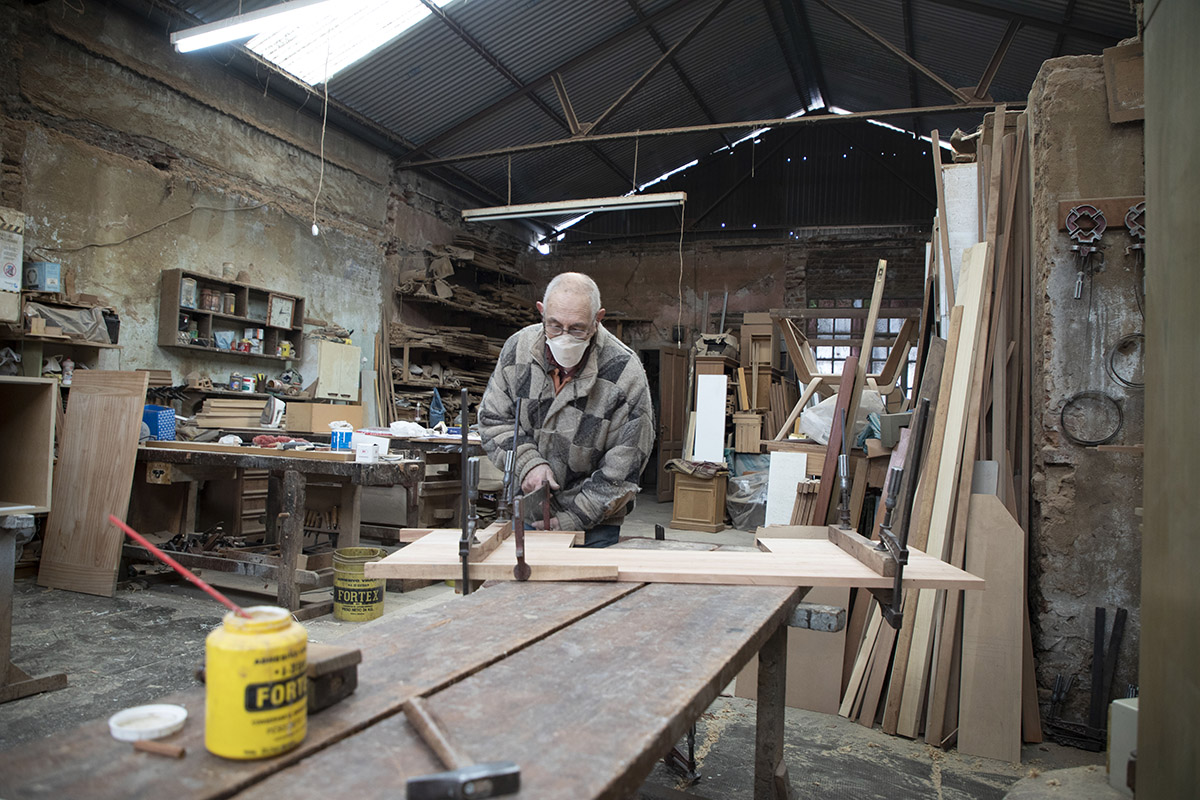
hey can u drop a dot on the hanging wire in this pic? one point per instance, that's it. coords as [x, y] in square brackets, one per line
[324, 121]
[679, 316]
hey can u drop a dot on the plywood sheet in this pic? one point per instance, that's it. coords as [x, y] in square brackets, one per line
[993, 625]
[94, 475]
[789, 562]
[251, 450]
[710, 418]
[787, 469]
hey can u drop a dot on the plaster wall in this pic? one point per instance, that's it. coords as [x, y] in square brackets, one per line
[1086, 542]
[129, 159]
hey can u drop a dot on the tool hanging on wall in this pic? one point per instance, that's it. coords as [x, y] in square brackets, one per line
[1085, 225]
[1135, 223]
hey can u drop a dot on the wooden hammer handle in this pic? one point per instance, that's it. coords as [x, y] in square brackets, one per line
[420, 718]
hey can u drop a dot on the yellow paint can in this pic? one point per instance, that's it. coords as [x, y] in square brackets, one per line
[356, 598]
[256, 700]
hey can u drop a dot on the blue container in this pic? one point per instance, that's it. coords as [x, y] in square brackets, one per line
[340, 440]
[161, 421]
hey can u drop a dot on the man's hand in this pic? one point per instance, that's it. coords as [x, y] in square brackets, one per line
[535, 477]
[540, 525]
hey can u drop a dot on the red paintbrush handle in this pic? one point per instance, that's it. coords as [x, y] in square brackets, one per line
[175, 565]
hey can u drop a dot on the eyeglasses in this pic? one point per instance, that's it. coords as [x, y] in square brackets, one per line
[575, 331]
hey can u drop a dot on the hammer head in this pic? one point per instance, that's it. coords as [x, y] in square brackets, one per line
[493, 779]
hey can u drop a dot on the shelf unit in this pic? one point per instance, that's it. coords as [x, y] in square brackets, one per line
[457, 312]
[34, 348]
[254, 307]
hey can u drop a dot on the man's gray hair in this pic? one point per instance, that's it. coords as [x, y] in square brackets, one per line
[574, 283]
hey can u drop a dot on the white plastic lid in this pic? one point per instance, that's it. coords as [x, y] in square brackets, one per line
[146, 722]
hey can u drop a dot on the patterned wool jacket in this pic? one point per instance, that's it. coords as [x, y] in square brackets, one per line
[596, 433]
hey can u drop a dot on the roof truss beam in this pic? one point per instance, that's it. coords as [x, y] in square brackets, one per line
[796, 17]
[989, 72]
[565, 102]
[678, 68]
[962, 97]
[803, 92]
[495, 63]
[663, 60]
[808, 119]
[527, 88]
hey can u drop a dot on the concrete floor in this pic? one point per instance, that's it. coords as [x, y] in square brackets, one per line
[147, 641]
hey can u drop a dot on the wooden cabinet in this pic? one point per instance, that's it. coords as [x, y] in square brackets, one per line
[337, 371]
[699, 503]
[27, 413]
[201, 312]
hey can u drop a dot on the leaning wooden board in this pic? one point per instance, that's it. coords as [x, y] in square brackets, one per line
[94, 475]
[790, 562]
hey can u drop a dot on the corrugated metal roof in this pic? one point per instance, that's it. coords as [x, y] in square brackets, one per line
[428, 85]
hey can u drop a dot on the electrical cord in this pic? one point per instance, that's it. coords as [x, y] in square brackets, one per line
[133, 236]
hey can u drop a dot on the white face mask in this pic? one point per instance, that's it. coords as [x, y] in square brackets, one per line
[567, 350]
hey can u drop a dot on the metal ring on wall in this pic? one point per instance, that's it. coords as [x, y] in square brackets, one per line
[1077, 399]
[1112, 354]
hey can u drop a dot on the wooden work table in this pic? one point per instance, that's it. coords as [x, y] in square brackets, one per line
[584, 685]
[169, 462]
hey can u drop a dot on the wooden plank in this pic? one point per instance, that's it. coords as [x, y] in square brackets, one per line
[854, 686]
[937, 723]
[575, 738]
[1113, 208]
[829, 471]
[403, 657]
[789, 562]
[251, 450]
[975, 274]
[864, 550]
[811, 389]
[990, 694]
[860, 371]
[95, 471]
[922, 510]
[942, 220]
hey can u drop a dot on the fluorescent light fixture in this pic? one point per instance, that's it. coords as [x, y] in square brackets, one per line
[245, 25]
[587, 206]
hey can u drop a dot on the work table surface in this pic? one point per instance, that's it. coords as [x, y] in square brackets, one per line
[584, 685]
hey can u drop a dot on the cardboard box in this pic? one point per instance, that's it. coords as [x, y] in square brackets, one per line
[12, 248]
[43, 276]
[315, 417]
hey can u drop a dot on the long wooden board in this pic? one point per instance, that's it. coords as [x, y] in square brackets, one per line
[993, 626]
[94, 475]
[251, 450]
[790, 562]
[974, 283]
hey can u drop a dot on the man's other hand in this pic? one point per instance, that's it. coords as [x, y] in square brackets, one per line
[535, 477]
[540, 525]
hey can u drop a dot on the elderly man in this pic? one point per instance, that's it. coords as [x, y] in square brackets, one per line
[587, 424]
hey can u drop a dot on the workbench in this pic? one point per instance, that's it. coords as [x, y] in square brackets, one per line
[584, 685]
[286, 492]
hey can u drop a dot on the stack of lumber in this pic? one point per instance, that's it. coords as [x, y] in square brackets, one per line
[230, 413]
[961, 670]
[484, 255]
[159, 377]
[458, 340]
[490, 301]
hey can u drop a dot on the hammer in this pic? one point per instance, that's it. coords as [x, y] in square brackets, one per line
[464, 780]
